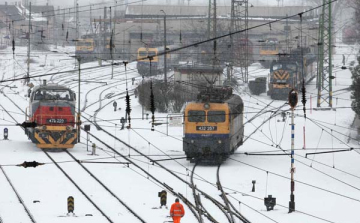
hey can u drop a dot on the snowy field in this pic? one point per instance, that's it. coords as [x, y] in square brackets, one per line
[326, 188]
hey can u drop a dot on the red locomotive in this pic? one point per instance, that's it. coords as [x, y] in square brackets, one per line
[52, 108]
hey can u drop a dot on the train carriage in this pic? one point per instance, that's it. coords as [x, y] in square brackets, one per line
[52, 108]
[213, 129]
[157, 62]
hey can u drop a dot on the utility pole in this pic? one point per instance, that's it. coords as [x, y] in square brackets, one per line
[287, 34]
[324, 76]
[165, 55]
[77, 20]
[78, 98]
[28, 50]
[92, 29]
[111, 47]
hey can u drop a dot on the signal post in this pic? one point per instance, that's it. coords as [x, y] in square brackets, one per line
[293, 100]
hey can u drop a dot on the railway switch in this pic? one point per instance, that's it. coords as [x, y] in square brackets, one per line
[163, 197]
[70, 205]
[253, 187]
[6, 133]
[270, 202]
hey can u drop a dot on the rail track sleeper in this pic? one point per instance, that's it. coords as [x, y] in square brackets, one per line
[190, 205]
[77, 186]
[106, 188]
[18, 196]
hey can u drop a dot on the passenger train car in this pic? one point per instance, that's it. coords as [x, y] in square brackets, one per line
[52, 108]
[157, 63]
[213, 126]
[286, 73]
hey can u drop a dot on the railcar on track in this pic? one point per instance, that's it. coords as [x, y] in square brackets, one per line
[213, 126]
[52, 108]
[157, 62]
[286, 73]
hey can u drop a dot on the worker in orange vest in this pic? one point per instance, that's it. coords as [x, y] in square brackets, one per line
[177, 211]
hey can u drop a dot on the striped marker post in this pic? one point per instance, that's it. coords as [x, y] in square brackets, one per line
[70, 205]
[293, 100]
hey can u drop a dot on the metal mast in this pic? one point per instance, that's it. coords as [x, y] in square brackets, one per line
[240, 42]
[212, 30]
[324, 75]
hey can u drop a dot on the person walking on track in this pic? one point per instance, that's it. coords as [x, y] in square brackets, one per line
[177, 211]
[115, 105]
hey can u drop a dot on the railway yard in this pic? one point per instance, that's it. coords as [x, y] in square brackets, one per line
[121, 182]
[120, 156]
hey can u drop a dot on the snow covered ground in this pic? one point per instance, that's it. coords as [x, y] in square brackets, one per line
[326, 189]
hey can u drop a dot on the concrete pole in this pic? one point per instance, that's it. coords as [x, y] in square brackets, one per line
[79, 112]
[165, 55]
[28, 50]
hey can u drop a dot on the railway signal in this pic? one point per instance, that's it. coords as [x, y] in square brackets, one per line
[293, 100]
[6, 133]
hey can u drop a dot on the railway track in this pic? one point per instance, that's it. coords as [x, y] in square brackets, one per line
[113, 195]
[228, 204]
[21, 201]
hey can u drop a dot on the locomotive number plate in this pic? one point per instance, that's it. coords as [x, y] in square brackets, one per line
[56, 120]
[206, 128]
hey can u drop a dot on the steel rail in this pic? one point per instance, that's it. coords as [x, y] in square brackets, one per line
[18, 195]
[191, 206]
[77, 186]
[227, 202]
[105, 187]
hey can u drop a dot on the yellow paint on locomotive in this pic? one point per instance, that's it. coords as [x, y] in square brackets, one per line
[55, 144]
[222, 127]
[86, 45]
[144, 52]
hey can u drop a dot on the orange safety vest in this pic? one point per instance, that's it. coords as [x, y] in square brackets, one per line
[177, 210]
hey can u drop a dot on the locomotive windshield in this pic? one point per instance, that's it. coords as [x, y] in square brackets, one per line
[196, 116]
[284, 66]
[216, 116]
[53, 94]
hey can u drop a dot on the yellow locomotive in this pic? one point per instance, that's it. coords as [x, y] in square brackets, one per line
[213, 126]
[157, 62]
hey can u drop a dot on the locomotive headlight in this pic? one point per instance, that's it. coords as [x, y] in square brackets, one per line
[69, 128]
[219, 141]
[43, 127]
[206, 106]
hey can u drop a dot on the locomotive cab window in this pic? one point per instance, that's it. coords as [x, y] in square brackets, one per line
[143, 53]
[216, 116]
[54, 94]
[196, 116]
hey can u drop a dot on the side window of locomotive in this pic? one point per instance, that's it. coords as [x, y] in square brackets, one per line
[216, 116]
[196, 116]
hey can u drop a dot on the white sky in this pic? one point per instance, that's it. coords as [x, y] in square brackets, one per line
[192, 2]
